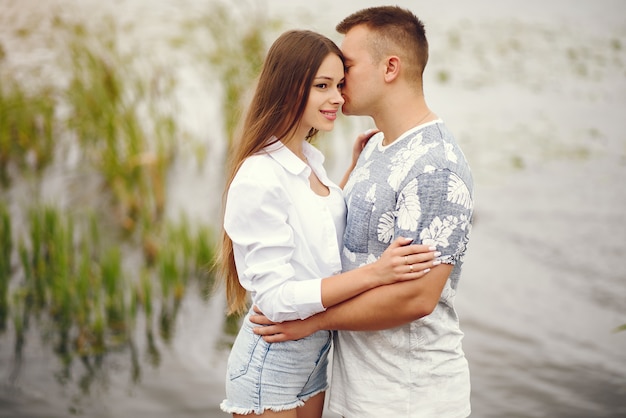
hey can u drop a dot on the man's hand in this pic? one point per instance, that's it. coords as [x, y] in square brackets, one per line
[285, 331]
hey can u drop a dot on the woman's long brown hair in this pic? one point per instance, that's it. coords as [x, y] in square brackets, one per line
[275, 111]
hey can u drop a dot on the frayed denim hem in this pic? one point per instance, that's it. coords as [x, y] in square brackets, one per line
[245, 411]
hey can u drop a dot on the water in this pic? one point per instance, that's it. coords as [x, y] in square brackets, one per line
[544, 288]
[536, 95]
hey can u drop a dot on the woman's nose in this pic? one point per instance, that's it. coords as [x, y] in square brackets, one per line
[338, 97]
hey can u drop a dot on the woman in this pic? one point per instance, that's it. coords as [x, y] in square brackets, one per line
[283, 227]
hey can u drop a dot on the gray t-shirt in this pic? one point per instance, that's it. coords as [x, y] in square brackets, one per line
[419, 186]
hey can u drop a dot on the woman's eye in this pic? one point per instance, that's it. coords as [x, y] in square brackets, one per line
[321, 86]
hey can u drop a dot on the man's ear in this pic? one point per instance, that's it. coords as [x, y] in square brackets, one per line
[392, 68]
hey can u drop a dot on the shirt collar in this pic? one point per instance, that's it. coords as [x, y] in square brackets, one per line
[406, 134]
[283, 155]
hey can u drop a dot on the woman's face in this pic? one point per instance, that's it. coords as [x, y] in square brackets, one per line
[325, 97]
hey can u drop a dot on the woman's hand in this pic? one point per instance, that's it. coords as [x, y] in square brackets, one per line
[357, 147]
[360, 143]
[403, 261]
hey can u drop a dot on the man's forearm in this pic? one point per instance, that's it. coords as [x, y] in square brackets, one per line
[387, 306]
[381, 308]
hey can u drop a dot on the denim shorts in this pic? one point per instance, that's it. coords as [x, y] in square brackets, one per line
[274, 376]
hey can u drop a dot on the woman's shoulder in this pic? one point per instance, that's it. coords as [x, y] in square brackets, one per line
[258, 168]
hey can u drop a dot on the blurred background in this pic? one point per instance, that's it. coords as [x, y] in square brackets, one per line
[115, 119]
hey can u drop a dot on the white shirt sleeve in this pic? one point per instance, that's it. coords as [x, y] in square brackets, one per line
[256, 220]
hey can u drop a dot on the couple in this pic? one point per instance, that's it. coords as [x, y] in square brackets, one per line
[379, 287]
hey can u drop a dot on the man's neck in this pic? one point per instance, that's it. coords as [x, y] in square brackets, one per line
[395, 123]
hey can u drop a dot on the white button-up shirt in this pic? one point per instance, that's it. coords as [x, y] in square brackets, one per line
[286, 238]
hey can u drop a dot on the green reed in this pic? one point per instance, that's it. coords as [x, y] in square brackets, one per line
[26, 129]
[6, 249]
[82, 277]
[121, 123]
[186, 255]
[77, 287]
[60, 284]
[235, 51]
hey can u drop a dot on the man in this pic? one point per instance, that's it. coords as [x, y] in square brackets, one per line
[398, 348]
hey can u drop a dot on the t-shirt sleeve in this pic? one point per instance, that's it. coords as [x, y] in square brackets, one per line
[435, 208]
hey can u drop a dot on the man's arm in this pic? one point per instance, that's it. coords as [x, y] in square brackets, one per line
[380, 308]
